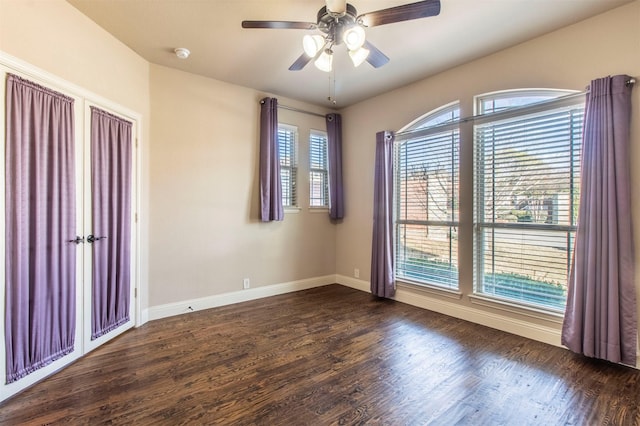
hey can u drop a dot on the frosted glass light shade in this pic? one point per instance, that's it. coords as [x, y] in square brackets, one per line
[312, 44]
[358, 56]
[337, 6]
[354, 37]
[324, 61]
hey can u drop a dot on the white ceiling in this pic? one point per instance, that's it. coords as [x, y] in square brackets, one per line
[260, 58]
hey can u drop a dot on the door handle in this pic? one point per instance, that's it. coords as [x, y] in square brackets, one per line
[91, 238]
[78, 240]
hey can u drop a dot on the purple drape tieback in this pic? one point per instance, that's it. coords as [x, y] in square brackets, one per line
[12, 377]
[105, 329]
[600, 319]
[382, 262]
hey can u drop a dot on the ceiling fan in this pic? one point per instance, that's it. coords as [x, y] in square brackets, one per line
[339, 22]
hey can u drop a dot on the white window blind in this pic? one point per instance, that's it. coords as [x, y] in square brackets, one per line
[426, 198]
[527, 173]
[318, 170]
[287, 145]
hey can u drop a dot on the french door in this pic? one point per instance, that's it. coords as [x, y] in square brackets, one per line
[109, 217]
[105, 233]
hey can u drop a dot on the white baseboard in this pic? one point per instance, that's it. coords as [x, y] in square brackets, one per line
[144, 317]
[526, 329]
[356, 283]
[187, 306]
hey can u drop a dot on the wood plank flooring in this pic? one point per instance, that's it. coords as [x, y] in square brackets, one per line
[325, 356]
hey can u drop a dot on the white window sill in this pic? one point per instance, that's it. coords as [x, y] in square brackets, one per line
[318, 209]
[516, 308]
[429, 289]
[293, 210]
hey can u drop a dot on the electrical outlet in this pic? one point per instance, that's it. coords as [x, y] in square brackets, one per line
[246, 283]
[356, 273]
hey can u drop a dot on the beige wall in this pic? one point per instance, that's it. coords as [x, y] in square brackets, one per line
[565, 59]
[205, 233]
[55, 37]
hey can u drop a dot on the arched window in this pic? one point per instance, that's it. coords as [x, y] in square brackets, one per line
[426, 199]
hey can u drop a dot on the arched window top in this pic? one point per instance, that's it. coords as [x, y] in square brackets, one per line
[505, 99]
[441, 115]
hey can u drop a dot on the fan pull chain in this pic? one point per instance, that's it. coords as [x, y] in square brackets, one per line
[331, 98]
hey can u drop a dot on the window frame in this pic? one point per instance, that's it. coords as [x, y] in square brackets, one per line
[290, 192]
[430, 125]
[557, 99]
[323, 171]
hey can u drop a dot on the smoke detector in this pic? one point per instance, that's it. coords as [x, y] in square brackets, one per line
[181, 52]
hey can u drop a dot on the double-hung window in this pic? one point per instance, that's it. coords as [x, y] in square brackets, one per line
[287, 146]
[318, 170]
[527, 173]
[426, 200]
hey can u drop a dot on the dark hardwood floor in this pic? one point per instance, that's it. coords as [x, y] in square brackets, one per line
[330, 355]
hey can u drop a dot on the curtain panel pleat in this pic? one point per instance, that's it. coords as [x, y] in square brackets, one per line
[111, 156]
[334, 142]
[382, 260]
[600, 319]
[270, 182]
[40, 221]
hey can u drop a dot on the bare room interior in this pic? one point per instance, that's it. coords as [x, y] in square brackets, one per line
[318, 212]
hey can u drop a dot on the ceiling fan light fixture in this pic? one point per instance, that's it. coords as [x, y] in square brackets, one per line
[358, 56]
[339, 21]
[354, 37]
[312, 44]
[325, 61]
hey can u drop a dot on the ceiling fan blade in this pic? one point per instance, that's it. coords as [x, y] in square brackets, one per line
[280, 25]
[376, 58]
[406, 12]
[300, 63]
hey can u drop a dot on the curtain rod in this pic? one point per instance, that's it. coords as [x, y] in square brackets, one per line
[561, 101]
[300, 110]
[629, 82]
[297, 110]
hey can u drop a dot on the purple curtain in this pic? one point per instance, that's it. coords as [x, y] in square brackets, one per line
[40, 221]
[111, 219]
[270, 186]
[334, 139]
[382, 279]
[600, 318]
